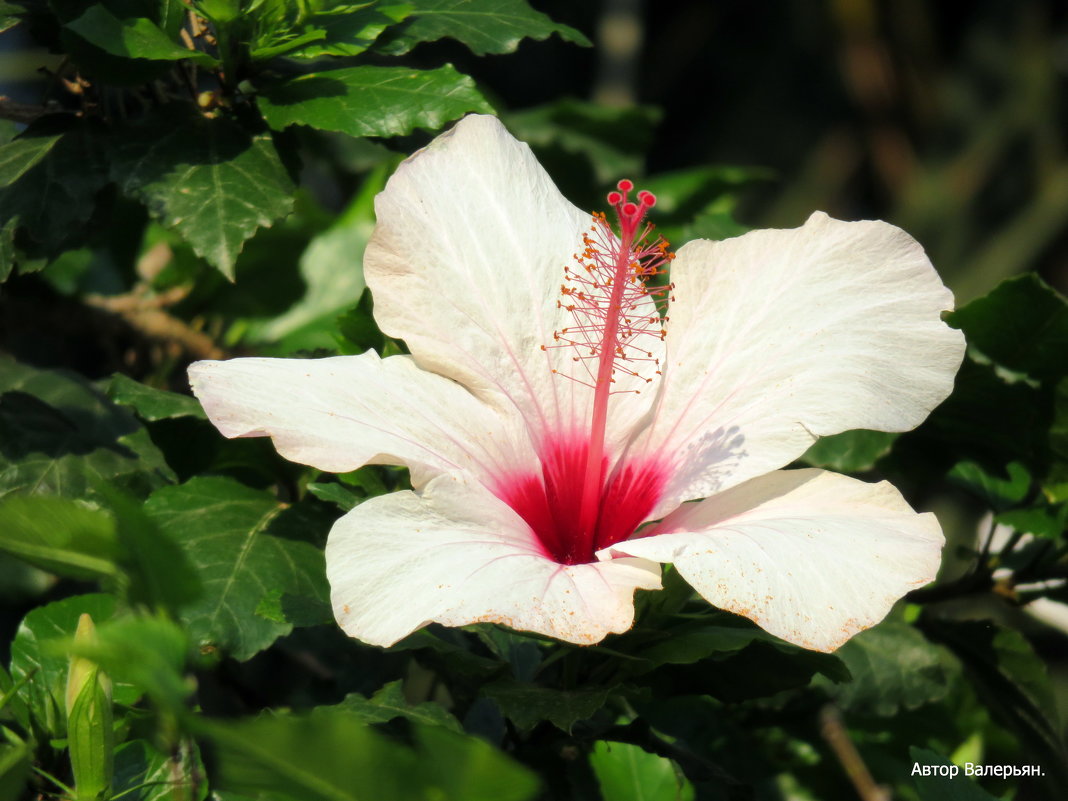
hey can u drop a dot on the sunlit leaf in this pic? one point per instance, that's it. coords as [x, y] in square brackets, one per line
[333, 492]
[850, 451]
[1000, 491]
[370, 100]
[226, 530]
[211, 180]
[60, 536]
[485, 26]
[20, 155]
[136, 37]
[150, 403]
[348, 30]
[628, 773]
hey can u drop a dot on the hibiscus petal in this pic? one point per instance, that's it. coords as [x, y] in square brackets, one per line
[779, 337]
[457, 555]
[812, 557]
[343, 412]
[466, 265]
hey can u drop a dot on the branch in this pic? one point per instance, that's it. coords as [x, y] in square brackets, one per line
[25, 113]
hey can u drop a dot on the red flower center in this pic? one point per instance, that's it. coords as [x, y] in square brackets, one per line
[550, 502]
[574, 508]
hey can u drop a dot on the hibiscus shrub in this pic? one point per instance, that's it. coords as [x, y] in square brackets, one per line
[197, 182]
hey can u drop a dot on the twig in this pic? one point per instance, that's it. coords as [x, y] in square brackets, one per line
[836, 736]
[24, 113]
[146, 315]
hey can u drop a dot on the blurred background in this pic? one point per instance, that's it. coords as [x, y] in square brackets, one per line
[946, 118]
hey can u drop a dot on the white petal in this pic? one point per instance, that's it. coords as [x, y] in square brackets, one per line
[457, 555]
[466, 264]
[779, 337]
[343, 412]
[812, 557]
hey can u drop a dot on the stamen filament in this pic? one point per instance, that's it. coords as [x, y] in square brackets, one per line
[613, 305]
[591, 487]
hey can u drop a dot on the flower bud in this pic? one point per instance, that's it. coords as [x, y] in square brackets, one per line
[90, 721]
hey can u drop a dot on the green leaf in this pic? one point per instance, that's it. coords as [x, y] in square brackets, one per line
[341, 31]
[132, 38]
[10, 16]
[219, 11]
[895, 669]
[987, 420]
[55, 196]
[738, 648]
[331, 267]
[158, 573]
[60, 436]
[226, 530]
[333, 492]
[628, 773]
[370, 100]
[211, 180]
[717, 223]
[357, 330]
[850, 451]
[14, 771]
[944, 788]
[485, 26]
[759, 670]
[607, 142]
[7, 247]
[60, 536]
[19, 156]
[34, 650]
[1000, 492]
[689, 645]
[1055, 483]
[296, 758]
[12, 706]
[1041, 520]
[152, 404]
[389, 703]
[1022, 325]
[1011, 680]
[527, 705]
[683, 197]
[144, 773]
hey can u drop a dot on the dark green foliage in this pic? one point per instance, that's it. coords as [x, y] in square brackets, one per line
[198, 182]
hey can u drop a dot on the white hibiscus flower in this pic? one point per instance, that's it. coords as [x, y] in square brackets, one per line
[555, 427]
